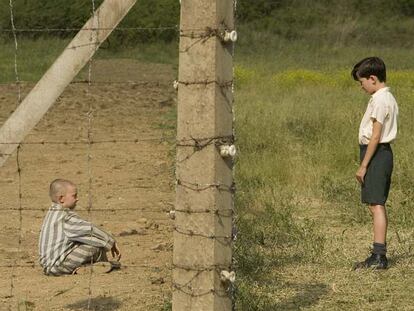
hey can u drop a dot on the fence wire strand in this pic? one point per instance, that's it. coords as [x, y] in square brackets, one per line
[93, 37]
[48, 30]
[12, 280]
[13, 30]
[14, 266]
[193, 33]
[233, 221]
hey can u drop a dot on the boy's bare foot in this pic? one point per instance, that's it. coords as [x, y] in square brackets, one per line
[115, 265]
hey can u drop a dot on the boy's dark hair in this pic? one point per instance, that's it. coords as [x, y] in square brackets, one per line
[370, 66]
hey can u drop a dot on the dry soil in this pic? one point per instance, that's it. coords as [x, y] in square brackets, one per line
[127, 185]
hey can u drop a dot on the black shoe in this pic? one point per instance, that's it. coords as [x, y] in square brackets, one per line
[375, 261]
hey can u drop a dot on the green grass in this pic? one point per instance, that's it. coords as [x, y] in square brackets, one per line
[34, 57]
[158, 52]
[300, 221]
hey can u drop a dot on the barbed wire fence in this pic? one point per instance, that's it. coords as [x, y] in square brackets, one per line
[201, 36]
[93, 35]
[19, 171]
[89, 142]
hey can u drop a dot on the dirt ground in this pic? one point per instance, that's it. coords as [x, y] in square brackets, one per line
[132, 189]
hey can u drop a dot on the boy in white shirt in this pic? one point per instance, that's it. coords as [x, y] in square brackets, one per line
[377, 130]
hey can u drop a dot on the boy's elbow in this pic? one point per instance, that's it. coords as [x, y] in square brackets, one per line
[376, 138]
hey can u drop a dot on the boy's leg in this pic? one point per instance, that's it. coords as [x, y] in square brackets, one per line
[380, 223]
[377, 260]
[84, 255]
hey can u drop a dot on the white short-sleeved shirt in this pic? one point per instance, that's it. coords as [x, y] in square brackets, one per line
[382, 107]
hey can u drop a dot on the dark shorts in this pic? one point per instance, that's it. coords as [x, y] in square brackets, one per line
[377, 180]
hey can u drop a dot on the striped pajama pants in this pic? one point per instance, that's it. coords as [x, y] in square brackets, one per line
[83, 254]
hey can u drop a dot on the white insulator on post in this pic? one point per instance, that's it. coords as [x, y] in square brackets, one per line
[228, 151]
[230, 36]
[175, 84]
[171, 214]
[226, 276]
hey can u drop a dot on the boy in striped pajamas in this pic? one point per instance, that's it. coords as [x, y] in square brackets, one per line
[67, 242]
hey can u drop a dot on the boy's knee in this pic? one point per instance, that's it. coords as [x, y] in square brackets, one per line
[375, 209]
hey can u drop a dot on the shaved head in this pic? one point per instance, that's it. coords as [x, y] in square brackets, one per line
[58, 188]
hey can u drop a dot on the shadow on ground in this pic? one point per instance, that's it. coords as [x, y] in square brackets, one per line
[97, 304]
[306, 296]
[275, 299]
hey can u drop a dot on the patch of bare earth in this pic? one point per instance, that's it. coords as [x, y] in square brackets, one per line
[131, 189]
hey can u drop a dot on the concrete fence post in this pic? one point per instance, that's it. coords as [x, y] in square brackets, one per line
[202, 256]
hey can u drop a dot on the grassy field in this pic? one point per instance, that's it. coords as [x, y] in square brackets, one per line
[300, 223]
[34, 57]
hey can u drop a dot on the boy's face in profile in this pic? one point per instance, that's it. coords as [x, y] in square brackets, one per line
[70, 198]
[369, 84]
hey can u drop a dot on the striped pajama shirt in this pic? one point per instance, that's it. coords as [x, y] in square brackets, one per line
[67, 241]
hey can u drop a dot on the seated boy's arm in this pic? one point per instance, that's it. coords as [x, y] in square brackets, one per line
[115, 252]
[79, 230]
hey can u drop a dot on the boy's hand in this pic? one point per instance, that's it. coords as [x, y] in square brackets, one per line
[115, 252]
[360, 174]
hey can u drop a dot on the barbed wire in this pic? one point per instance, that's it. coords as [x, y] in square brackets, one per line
[141, 82]
[73, 29]
[13, 30]
[93, 36]
[222, 239]
[190, 292]
[91, 141]
[197, 143]
[233, 112]
[94, 210]
[18, 152]
[193, 33]
[201, 35]
[218, 212]
[37, 266]
[201, 143]
[225, 84]
[74, 47]
[216, 267]
[20, 222]
[93, 83]
[202, 187]
[198, 36]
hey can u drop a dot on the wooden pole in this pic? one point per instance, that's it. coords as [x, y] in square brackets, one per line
[204, 193]
[60, 74]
